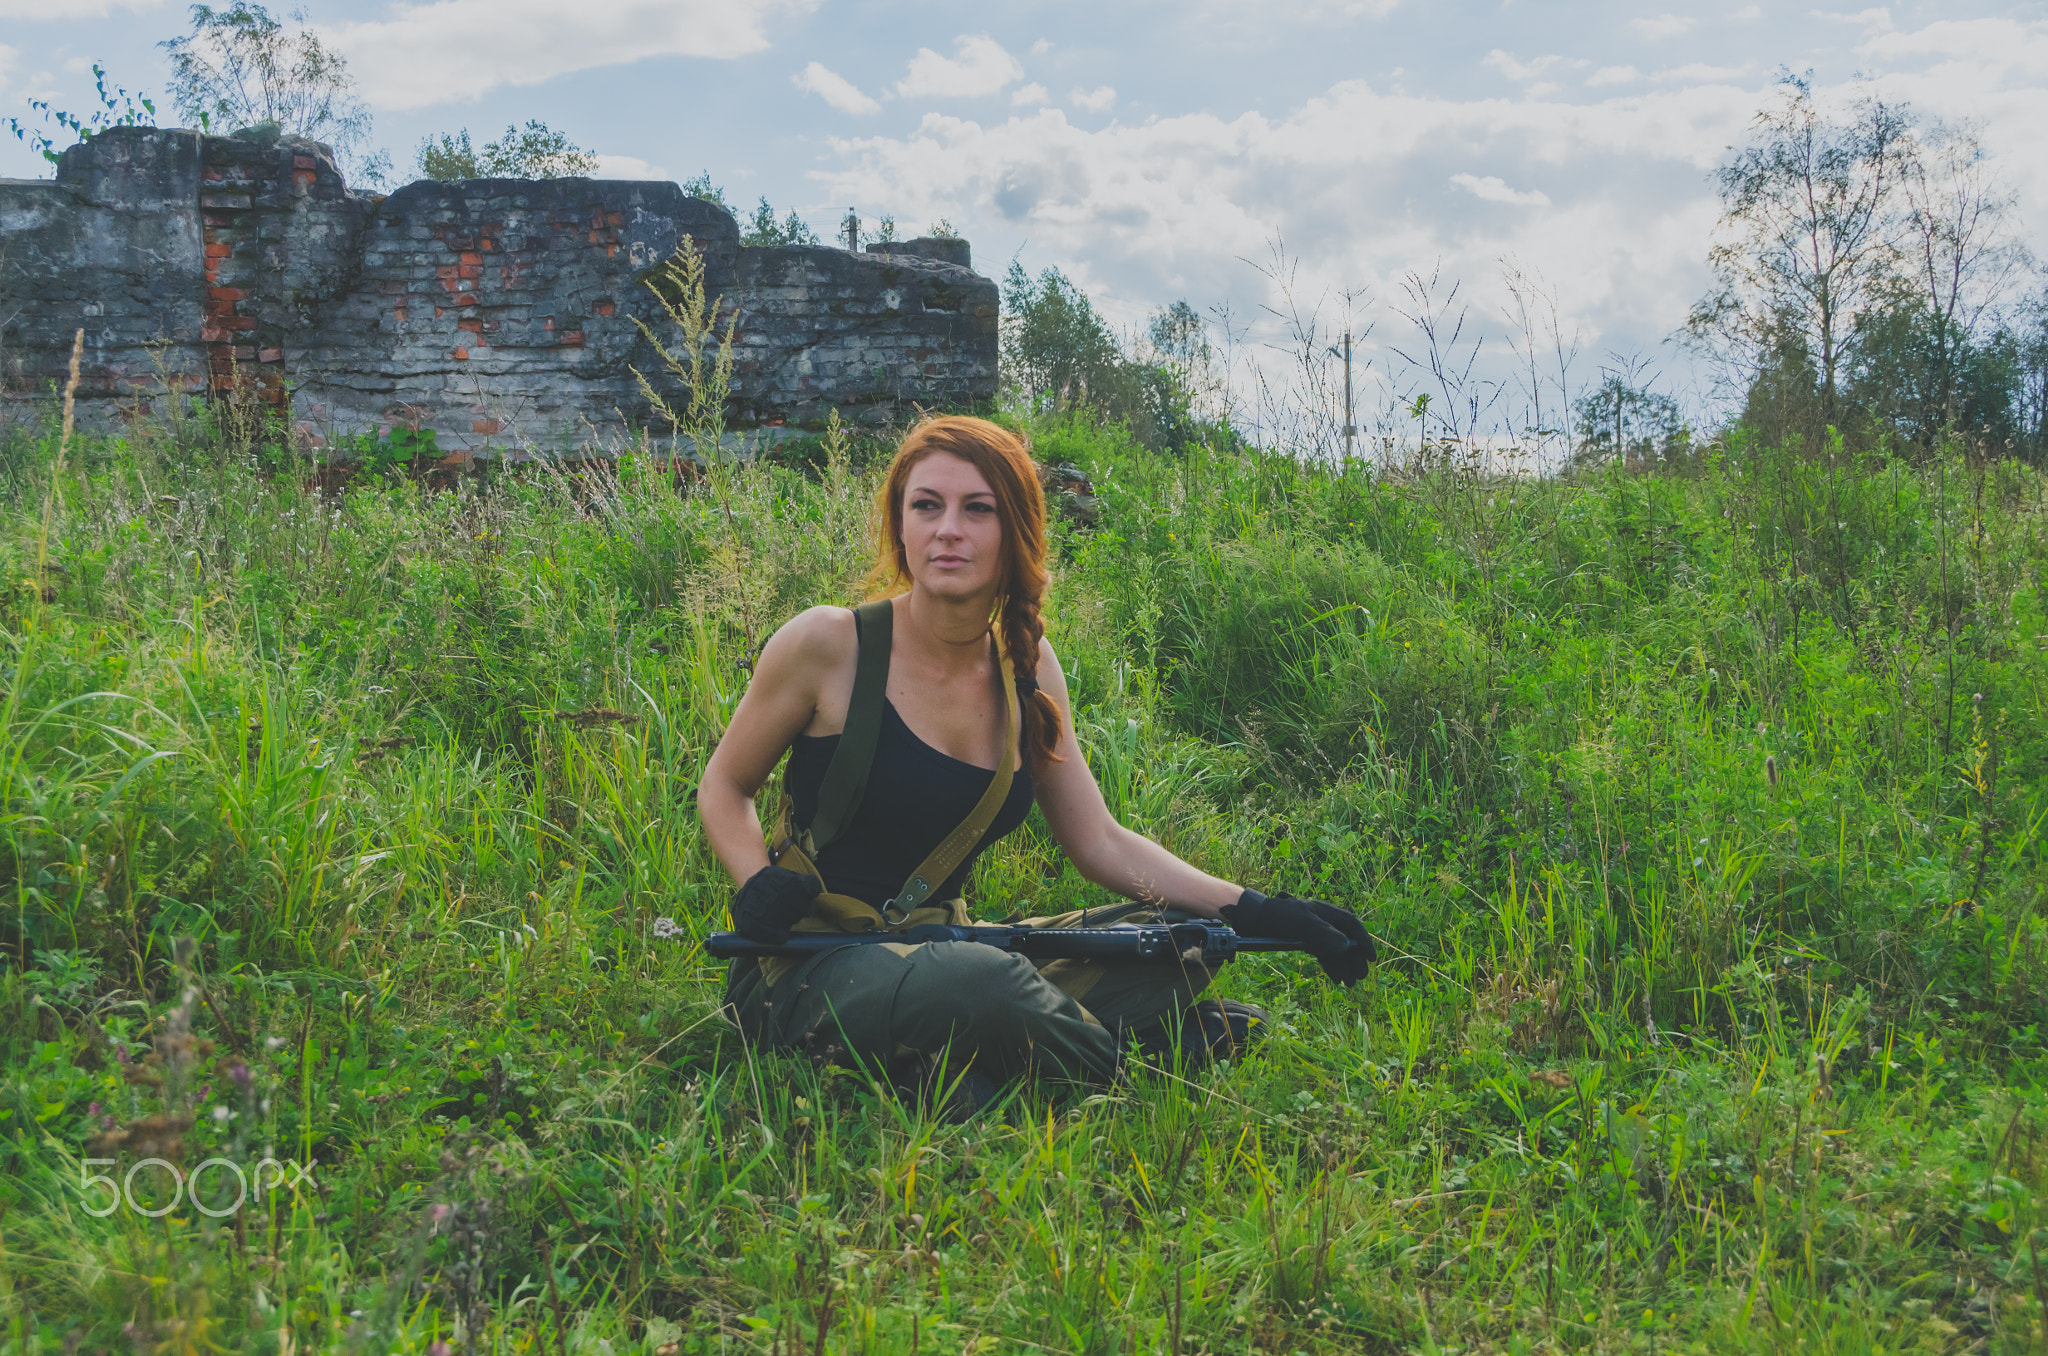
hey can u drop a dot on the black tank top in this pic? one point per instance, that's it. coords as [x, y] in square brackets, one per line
[915, 797]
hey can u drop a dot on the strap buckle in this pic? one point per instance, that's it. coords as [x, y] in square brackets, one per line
[915, 891]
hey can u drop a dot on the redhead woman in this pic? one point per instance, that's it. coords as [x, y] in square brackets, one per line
[961, 562]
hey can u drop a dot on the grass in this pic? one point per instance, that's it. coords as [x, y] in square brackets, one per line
[1699, 813]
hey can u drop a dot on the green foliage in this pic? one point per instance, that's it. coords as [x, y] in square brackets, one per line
[538, 152]
[117, 109]
[1060, 358]
[702, 187]
[1868, 274]
[1712, 898]
[244, 69]
[764, 229]
[1622, 419]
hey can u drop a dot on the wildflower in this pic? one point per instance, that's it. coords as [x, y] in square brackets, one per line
[666, 927]
[221, 1113]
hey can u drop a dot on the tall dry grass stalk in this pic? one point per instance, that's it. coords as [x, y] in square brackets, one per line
[57, 470]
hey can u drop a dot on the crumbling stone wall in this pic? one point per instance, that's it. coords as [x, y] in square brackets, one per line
[499, 313]
[114, 248]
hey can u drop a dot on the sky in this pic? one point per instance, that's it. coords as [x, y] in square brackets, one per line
[1156, 150]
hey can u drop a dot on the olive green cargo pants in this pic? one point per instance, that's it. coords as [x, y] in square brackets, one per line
[975, 1005]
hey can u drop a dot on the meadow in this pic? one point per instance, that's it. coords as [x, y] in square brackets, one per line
[1698, 809]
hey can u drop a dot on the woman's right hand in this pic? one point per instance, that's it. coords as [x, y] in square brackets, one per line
[772, 899]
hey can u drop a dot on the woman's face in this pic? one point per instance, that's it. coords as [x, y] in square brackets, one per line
[952, 534]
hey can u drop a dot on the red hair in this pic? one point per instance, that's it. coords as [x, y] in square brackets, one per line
[1004, 461]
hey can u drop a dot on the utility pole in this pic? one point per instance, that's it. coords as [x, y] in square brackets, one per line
[1350, 426]
[850, 230]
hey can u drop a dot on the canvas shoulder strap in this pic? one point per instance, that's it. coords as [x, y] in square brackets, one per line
[846, 776]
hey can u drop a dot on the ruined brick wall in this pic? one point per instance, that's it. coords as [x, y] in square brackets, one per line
[111, 247]
[499, 313]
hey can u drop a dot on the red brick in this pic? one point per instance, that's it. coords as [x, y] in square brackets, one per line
[469, 257]
[238, 322]
[226, 294]
[572, 337]
[303, 162]
[473, 325]
[604, 308]
[270, 355]
[447, 272]
[465, 299]
[484, 426]
[462, 355]
[218, 249]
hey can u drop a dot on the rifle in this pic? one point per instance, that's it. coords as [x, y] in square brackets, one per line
[1205, 944]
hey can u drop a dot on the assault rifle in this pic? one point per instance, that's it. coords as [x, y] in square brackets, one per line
[1205, 944]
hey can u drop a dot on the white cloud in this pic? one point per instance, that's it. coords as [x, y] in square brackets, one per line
[1026, 96]
[1493, 188]
[1748, 14]
[1041, 47]
[64, 11]
[449, 50]
[1614, 75]
[1698, 73]
[980, 66]
[628, 167]
[1880, 19]
[1662, 27]
[1269, 12]
[1352, 179]
[1509, 65]
[1098, 100]
[1972, 48]
[834, 89]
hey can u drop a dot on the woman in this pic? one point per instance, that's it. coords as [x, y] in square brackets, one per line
[964, 528]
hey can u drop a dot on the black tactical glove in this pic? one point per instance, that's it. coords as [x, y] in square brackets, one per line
[1333, 936]
[771, 900]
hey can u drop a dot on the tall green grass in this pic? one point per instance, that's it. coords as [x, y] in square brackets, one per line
[1699, 815]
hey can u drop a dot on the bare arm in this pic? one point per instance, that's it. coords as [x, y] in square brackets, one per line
[1102, 850]
[803, 666]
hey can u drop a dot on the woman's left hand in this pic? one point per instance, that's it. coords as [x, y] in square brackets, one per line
[1332, 935]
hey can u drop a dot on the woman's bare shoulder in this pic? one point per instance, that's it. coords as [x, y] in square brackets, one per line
[1052, 679]
[816, 641]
